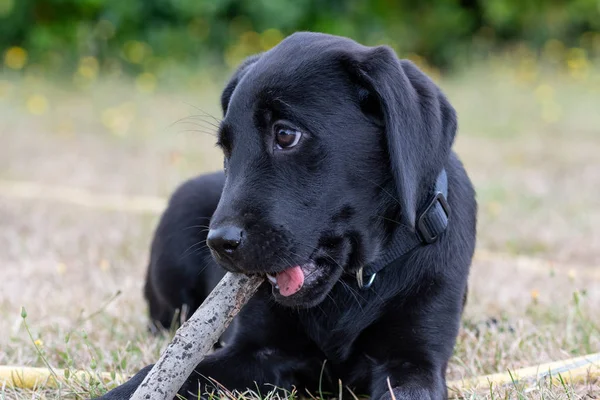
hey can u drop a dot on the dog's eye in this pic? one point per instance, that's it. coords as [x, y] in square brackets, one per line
[286, 137]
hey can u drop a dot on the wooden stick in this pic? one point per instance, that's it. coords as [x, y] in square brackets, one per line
[196, 337]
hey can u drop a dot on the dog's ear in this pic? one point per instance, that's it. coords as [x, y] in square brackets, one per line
[419, 122]
[235, 79]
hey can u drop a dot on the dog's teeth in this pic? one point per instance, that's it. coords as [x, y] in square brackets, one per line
[272, 279]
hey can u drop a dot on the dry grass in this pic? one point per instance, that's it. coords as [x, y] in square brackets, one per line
[78, 271]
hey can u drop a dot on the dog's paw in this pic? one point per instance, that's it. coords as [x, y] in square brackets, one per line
[410, 392]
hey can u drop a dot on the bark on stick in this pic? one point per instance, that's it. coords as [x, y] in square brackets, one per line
[196, 337]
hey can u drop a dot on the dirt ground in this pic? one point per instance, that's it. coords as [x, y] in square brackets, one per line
[531, 146]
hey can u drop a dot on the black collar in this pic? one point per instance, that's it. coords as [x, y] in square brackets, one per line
[431, 222]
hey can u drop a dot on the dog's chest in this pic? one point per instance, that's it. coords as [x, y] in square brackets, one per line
[337, 323]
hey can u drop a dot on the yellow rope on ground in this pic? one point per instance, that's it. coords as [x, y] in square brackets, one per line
[35, 378]
[574, 370]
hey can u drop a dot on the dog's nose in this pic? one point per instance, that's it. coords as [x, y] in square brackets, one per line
[224, 240]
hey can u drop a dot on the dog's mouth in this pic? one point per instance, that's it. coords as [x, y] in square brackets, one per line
[305, 285]
[291, 280]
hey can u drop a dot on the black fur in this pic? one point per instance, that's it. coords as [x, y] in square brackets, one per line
[376, 133]
[181, 271]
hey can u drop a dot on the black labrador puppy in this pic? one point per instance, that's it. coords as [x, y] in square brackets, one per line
[340, 186]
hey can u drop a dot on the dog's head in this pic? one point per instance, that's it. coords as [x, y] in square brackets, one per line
[329, 146]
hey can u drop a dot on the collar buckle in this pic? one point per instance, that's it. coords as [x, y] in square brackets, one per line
[431, 223]
[434, 220]
[360, 279]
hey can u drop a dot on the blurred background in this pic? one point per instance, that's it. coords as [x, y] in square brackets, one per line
[87, 39]
[106, 106]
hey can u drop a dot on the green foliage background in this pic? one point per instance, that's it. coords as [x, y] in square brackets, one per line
[147, 35]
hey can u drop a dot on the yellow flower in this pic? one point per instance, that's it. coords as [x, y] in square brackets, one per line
[417, 59]
[544, 92]
[494, 208]
[145, 83]
[104, 265]
[554, 49]
[250, 40]
[135, 51]
[88, 67]
[15, 58]
[551, 111]
[87, 72]
[578, 63]
[119, 119]
[61, 268]
[527, 70]
[535, 294]
[270, 38]
[37, 104]
[39, 343]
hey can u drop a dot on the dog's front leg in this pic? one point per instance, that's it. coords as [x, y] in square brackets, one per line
[242, 367]
[126, 390]
[409, 382]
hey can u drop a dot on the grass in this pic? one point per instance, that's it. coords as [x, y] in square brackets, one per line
[529, 141]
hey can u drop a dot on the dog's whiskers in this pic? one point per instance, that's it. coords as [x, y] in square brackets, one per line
[198, 131]
[204, 113]
[207, 128]
[334, 302]
[205, 227]
[194, 248]
[313, 248]
[354, 294]
[391, 220]
[192, 120]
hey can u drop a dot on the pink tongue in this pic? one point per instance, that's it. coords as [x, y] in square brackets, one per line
[290, 281]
